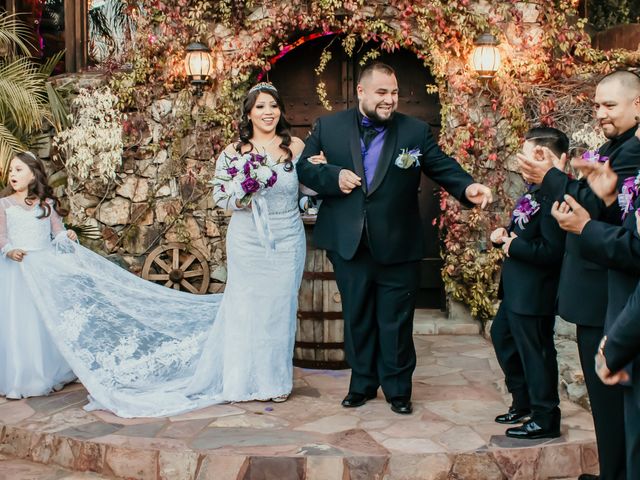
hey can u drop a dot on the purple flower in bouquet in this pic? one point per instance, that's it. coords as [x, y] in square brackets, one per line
[628, 194]
[593, 156]
[272, 180]
[526, 207]
[243, 176]
[250, 185]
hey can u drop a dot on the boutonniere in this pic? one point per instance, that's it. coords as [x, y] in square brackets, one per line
[526, 207]
[408, 158]
[593, 156]
[628, 194]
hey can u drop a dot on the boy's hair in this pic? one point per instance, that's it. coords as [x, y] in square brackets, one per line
[552, 138]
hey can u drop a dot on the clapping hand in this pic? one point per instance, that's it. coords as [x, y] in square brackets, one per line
[479, 194]
[348, 181]
[601, 178]
[16, 254]
[534, 169]
[571, 216]
[506, 242]
[608, 377]
[497, 235]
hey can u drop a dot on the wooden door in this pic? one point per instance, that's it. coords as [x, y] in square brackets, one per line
[294, 76]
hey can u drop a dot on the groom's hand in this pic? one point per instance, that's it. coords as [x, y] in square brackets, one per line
[479, 194]
[348, 181]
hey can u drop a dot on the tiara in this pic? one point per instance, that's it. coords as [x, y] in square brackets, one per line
[263, 86]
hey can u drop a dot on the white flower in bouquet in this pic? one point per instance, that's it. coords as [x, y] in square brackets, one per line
[263, 173]
[246, 175]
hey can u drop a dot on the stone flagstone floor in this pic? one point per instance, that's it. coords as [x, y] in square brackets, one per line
[450, 436]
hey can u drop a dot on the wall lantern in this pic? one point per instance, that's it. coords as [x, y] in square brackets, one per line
[486, 56]
[198, 64]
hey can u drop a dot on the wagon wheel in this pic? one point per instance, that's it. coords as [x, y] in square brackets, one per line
[178, 266]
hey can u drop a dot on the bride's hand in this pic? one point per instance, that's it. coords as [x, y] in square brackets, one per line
[318, 159]
[240, 205]
[16, 255]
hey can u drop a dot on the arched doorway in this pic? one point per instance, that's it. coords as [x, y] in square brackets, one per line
[294, 75]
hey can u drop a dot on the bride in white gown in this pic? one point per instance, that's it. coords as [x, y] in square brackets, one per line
[141, 349]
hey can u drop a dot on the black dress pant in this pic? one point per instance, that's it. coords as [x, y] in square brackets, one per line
[378, 303]
[632, 432]
[607, 407]
[527, 355]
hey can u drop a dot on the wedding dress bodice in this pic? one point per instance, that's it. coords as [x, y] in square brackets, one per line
[283, 196]
[21, 228]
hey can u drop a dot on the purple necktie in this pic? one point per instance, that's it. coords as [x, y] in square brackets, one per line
[371, 143]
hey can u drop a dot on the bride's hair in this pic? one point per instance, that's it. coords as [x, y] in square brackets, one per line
[38, 188]
[282, 128]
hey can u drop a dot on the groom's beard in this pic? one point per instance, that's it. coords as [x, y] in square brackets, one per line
[373, 115]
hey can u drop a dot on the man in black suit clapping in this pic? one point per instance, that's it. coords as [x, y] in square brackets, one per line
[584, 291]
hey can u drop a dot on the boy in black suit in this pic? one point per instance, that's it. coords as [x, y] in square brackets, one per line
[522, 331]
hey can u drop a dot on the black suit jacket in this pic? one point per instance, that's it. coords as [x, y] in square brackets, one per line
[582, 293]
[623, 342]
[530, 274]
[618, 249]
[388, 211]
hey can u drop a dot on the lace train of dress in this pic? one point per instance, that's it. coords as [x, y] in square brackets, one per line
[143, 350]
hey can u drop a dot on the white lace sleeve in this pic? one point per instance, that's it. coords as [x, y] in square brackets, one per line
[5, 245]
[221, 198]
[57, 227]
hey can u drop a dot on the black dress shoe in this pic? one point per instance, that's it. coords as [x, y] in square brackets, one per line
[513, 416]
[356, 400]
[531, 430]
[402, 407]
[588, 476]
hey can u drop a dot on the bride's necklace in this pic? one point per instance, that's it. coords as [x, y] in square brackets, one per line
[265, 145]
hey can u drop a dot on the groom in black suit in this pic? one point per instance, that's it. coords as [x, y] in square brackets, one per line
[369, 223]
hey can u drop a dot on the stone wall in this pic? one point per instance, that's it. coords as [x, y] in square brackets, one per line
[161, 192]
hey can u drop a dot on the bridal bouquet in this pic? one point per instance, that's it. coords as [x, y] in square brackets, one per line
[243, 176]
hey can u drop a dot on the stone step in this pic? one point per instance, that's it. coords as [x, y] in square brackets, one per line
[451, 433]
[436, 322]
[19, 469]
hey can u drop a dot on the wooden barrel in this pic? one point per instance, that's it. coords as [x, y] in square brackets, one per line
[320, 333]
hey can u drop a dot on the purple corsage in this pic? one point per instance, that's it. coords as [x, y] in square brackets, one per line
[593, 156]
[629, 193]
[526, 207]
